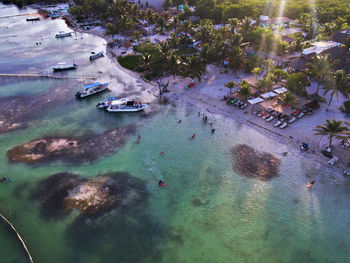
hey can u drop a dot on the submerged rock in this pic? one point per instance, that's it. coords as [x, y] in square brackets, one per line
[62, 193]
[254, 164]
[17, 111]
[73, 150]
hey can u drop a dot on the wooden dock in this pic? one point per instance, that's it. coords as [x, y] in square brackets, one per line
[37, 75]
[19, 238]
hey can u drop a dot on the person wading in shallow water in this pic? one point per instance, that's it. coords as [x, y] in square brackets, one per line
[161, 183]
[311, 184]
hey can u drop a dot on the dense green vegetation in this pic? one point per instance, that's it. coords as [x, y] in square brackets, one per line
[130, 61]
[219, 10]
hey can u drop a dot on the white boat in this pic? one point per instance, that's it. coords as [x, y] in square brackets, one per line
[34, 18]
[111, 101]
[63, 34]
[91, 88]
[129, 106]
[64, 66]
[96, 55]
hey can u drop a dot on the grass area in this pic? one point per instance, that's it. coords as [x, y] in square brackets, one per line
[130, 61]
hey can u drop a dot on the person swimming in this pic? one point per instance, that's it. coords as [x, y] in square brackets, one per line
[179, 121]
[311, 184]
[194, 135]
[161, 183]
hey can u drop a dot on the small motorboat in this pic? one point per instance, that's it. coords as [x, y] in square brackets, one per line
[96, 55]
[128, 106]
[34, 18]
[91, 89]
[63, 66]
[111, 101]
[63, 34]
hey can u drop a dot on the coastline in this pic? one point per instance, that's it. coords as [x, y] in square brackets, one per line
[211, 103]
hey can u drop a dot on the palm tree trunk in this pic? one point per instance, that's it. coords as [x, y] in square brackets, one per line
[318, 87]
[330, 100]
[330, 141]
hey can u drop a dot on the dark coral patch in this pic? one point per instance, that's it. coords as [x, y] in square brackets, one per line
[61, 193]
[254, 164]
[73, 150]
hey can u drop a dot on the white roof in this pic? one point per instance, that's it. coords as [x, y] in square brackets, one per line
[320, 46]
[280, 90]
[263, 17]
[268, 95]
[255, 101]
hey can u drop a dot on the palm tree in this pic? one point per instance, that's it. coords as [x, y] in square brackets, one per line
[268, 65]
[320, 68]
[246, 26]
[288, 99]
[257, 72]
[230, 85]
[174, 65]
[194, 67]
[332, 129]
[338, 82]
[146, 62]
[244, 91]
[236, 59]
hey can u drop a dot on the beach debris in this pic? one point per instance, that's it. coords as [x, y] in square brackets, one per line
[73, 150]
[251, 163]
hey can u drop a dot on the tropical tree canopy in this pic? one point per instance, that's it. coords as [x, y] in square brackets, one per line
[333, 129]
[339, 82]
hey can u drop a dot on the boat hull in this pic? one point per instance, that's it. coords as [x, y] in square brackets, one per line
[94, 90]
[126, 109]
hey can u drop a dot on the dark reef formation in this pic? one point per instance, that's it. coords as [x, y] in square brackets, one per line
[73, 150]
[17, 111]
[61, 193]
[254, 164]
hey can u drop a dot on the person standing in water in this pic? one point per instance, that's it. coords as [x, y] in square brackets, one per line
[161, 183]
[311, 184]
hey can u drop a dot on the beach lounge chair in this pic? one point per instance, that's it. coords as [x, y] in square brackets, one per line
[284, 125]
[278, 123]
[269, 119]
[291, 120]
[301, 114]
[243, 106]
[265, 116]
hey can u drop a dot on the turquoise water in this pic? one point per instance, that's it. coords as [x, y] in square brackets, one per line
[206, 212]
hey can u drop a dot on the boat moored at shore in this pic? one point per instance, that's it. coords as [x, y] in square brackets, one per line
[128, 106]
[111, 101]
[91, 89]
[63, 66]
[63, 34]
[96, 55]
[34, 18]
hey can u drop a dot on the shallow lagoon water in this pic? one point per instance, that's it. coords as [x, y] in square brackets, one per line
[206, 212]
